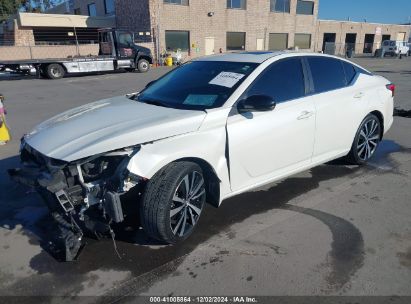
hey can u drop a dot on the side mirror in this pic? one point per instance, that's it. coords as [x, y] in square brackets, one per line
[256, 103]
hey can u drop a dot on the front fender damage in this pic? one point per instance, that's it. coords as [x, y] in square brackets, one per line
[82, 196]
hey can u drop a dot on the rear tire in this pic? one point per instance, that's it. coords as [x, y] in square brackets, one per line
[143, 66]
[173, 202]
[366, 141]
[55, 71]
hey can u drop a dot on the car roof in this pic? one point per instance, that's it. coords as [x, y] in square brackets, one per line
[256, 57]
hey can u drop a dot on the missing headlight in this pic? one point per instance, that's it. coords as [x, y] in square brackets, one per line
[102, 167]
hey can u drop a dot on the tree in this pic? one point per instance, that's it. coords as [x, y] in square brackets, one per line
[37, 5]
[9, 7]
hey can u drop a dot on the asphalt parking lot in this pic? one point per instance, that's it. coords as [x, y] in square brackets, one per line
[332, 230]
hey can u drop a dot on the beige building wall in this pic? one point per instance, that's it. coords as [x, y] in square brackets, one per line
[342, 28]
[257, 21]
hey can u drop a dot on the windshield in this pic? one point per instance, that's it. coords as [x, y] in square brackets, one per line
[197, 85]
[125, 38]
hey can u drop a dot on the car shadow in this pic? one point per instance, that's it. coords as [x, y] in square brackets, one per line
[15, 76]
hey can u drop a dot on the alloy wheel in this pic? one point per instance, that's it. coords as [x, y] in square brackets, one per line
[187, 204]
[368, 139]
[56, 72]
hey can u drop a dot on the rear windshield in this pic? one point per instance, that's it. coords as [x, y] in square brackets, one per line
[198, 85]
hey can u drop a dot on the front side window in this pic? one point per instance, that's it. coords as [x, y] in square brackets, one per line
[327, 73]
[238, 4]
[302, 41]
[197, 85]
[278, 42]
[283, 81]
[177, 40]
[92, 11]
[125, 39]
[235, 41]
[280, 6]
[109, 7]
[305, 7]
[178, 2]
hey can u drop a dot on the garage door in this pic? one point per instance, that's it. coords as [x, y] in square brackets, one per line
[401, 36]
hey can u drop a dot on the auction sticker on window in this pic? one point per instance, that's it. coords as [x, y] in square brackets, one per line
[226, 79]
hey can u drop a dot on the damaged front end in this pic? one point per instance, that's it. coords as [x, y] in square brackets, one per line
[84, 194]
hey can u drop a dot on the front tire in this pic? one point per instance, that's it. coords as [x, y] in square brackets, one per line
[143, 66]
[366, 141]
[173, 202]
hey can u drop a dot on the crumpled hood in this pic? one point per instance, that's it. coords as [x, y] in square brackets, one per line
[108, 125]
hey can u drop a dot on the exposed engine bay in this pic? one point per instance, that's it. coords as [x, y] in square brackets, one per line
[83, 194]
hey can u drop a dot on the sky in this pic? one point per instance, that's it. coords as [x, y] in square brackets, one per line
[384, 11]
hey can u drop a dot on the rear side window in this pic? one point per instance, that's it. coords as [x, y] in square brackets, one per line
[327, 73]
[283, 80]
[350, 71]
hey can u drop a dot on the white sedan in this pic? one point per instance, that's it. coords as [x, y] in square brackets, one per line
[208, 130]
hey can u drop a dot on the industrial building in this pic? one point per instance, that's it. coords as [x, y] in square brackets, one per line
[203, 27]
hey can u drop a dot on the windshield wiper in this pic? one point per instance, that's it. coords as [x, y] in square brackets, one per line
[155, 103]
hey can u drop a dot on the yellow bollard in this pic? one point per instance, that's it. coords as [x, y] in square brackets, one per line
[4, 130]
[169, 61]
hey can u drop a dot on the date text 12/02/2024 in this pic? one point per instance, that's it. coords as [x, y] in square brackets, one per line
[176, 299]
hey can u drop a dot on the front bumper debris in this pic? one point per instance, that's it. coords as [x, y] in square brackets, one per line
[81, 197]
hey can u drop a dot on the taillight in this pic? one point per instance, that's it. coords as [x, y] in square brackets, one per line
[391, 87]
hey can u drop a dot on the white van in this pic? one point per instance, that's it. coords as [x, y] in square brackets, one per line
[395, 48]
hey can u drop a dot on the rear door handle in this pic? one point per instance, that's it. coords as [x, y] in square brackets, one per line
[359, 95]
[305, 115]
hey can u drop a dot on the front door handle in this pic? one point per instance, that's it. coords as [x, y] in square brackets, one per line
[305, 115]
[359, 95]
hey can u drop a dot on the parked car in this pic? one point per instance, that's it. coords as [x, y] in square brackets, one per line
[242, 120]
[395, 48]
